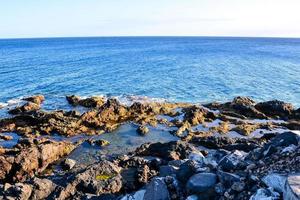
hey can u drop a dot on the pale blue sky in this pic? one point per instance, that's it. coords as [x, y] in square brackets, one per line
[63, 18]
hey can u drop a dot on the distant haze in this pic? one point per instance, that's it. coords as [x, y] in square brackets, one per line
[71, 18]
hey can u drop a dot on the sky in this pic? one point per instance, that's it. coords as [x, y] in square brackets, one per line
[72, 18]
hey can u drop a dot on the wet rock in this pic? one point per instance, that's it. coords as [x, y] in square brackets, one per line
[142, 130]
[156, 190]
[42, 188]
[101, 178]
[275, 108]
[292, 187]
[233, 161]
[174, 150]
[5, 137]
[275, 181]
[197, 115]
[240, 107]
[226, 143]
[265, 194]
[38, 99]
[201, 182]
[223, 128]
[19, 191]
[90, 102]
[68, 163]
[27, 107]
[99, 142]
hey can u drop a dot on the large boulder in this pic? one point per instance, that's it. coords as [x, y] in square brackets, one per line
[156, 190]
[90, 102]
[42, 188]
[292, 187]
[101, 178]
[175, 150]
[275, 181]
[275, 108]
[201, 182]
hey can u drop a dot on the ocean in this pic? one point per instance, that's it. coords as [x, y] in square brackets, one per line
[186, 69]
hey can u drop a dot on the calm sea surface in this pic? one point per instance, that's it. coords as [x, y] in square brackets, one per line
[193, 69]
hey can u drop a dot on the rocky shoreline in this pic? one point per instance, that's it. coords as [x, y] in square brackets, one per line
[234, 150]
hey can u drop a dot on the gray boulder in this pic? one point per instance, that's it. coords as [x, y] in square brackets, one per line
[275, 181]
[201, 182]
[265, 194]
[156, 190]
[292, 187]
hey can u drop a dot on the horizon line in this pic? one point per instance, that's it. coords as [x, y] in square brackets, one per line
[131, 36]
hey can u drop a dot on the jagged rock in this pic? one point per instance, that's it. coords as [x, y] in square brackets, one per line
[233, 161]
[68, 163]
[156, 190]
[292, 187]
[201, 182]
[27, 107]
[245, 129]
[143, 130]
[275, 108]
[197, 115]
[240, 107]
[174, 150]
[32, 158]
[6, 137]
[101, 178]
[91, 102]
[38, 99]
[226, 143]
[18, 191]
[265, 194]
[42, 188]
[275, 181]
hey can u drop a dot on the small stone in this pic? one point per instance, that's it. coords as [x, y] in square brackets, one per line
[69, 164]
[143, 130]
[238, 186]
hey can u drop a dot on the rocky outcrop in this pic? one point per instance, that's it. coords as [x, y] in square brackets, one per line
[101, 178]
[30, 158]
[91, 102]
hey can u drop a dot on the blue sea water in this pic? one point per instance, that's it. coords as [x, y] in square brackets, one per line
[193, 69]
